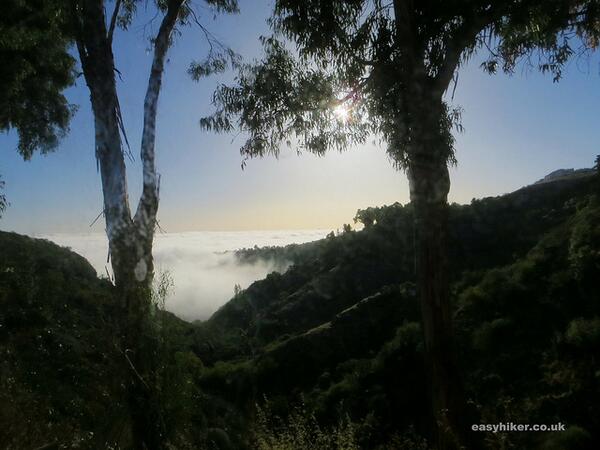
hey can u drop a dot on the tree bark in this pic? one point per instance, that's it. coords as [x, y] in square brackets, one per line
[130, 239]
[431, 216]
[429, 183]
[427, 156]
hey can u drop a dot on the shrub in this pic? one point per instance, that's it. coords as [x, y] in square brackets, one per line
[300, 431]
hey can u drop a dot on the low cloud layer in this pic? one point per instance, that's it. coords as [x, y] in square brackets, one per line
[202, 264]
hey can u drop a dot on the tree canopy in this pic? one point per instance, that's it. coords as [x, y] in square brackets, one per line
[36, 69]
[375, 60]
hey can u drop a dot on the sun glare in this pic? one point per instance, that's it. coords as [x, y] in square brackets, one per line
[342, 112]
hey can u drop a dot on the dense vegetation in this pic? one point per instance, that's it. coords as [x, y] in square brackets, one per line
[331, 350]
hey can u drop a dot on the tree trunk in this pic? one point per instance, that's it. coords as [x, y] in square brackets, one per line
[423, 128]
[132, 267]
[429, 186]
[131, 258]
[130, 240]
[431, 216]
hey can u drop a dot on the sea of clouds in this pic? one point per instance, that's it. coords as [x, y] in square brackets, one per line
[202, 264]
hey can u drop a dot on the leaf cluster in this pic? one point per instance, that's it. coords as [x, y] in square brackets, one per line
[545, 36]
[36, 69]
[283, 100]
[389, 63]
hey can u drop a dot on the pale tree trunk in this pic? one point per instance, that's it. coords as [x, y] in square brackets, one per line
[130, 239]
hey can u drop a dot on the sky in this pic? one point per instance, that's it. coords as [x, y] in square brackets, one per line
[516, 130]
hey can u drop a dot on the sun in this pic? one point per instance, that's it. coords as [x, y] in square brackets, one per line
[342, 113]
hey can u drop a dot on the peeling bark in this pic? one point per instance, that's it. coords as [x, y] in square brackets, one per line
[130, 239]
[145, 216]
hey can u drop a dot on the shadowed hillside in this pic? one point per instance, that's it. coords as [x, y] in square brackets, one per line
[338, 333]
[341, 326]
[61, 364]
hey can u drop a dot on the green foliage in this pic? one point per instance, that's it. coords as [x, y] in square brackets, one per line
[538, 370]
[61, 370]
[385, 215]
[214, 63]
[300, 431]
[178, 370]
[162, 287]
[583, 254]
[584, 333]
[339, 328]
[36, 69]
[546, 36]
[526, 321]
[58, 364]
[366, 217]
[387, 65]
[283, 101]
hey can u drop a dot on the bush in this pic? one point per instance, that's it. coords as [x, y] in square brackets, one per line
[584, 333]
[300, 431]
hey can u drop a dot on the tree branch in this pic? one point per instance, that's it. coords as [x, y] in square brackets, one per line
[113, 21]
[404, 27]
[97, 63]
[148, 205]
[460, 41]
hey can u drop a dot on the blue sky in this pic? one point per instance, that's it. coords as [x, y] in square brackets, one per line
[517, 129]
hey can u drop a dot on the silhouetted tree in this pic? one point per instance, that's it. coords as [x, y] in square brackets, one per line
[363, 67]
[366, 217]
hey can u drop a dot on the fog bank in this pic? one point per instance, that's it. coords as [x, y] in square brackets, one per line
[202, 264]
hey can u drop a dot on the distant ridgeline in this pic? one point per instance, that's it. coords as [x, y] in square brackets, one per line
[338, 333]
[562, 174]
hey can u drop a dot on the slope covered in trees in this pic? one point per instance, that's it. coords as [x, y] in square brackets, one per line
[337, 334]
[340, 325]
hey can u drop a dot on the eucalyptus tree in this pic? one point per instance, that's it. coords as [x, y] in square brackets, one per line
[335, 72]
[130, 235]
[37, 65]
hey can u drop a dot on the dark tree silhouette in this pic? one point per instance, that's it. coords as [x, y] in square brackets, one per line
[363, 67]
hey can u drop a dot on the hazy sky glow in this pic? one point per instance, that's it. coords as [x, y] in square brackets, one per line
[517, 129]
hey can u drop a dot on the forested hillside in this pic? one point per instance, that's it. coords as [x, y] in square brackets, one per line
[333, 341]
